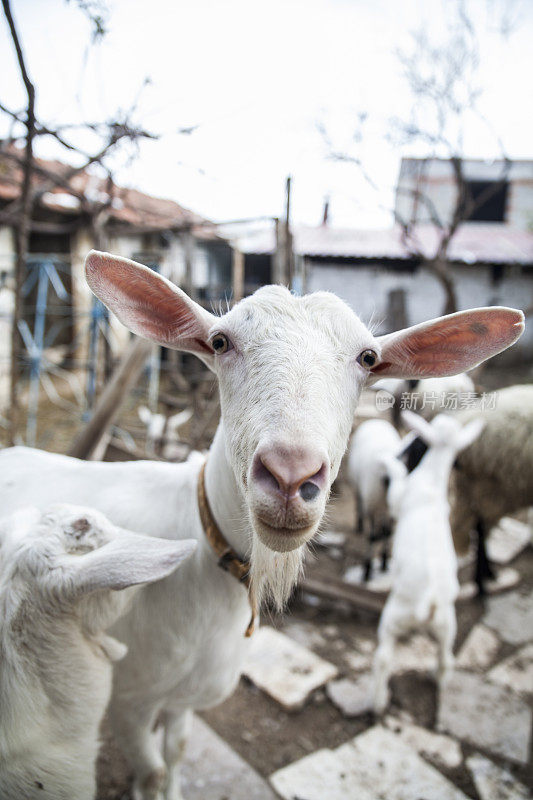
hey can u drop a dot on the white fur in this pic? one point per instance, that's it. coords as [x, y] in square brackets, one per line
[290, 381]
[58, 570]
[162, 433]
[371, 457]
[424, 565]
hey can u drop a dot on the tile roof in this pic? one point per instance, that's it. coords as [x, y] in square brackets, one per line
[129, 207]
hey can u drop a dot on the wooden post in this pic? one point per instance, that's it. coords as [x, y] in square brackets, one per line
[188, 254]
[237, 277]
[282, 260]
[123, 379]
[278, 257]
[287, 257]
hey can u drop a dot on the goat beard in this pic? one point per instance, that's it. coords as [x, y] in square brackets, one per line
[274, 575]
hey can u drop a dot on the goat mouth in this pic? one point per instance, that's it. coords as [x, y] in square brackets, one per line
[284, 531]
[283, 539]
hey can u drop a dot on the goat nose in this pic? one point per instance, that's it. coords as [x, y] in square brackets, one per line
[292, 472]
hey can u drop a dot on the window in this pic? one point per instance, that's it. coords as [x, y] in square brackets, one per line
[492, 209]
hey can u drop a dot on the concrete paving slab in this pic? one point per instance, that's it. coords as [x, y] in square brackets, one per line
[486, 715]
[376, 764]
[212, 770]
[438, 747]
[506, 578]
[493, 783]
[352, 697]
[418, 653]
[307, 634]
[284, 669]
[516, 672]
[511, 615]
[360, 658]
[507, 540]
[479, 649]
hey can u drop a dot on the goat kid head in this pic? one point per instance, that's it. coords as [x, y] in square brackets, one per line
[291, 370]
[73, 559]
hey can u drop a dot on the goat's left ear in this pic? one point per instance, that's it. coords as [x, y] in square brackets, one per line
[418, 425]
[448, 345]
[127, 560]
[149, 305]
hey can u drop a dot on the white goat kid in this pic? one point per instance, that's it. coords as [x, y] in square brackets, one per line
[58, 574]
[290, 373]
[162, 433]
[424, 564]
[371, 455]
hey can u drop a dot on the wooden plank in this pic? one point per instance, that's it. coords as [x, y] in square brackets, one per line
[335, 589]
[123, 379]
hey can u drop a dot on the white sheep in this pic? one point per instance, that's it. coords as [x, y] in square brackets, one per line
[371, 456]
[290, 372]
[59, 572]
[162, 433]
[424, 564]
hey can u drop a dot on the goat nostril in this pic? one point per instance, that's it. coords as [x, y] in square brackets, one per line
[265, 476]
[308, 491]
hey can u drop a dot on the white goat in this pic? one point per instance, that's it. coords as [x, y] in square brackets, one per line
[290, 373]
[424, 564]
[58, 573]
[162, 433]
[371, 457]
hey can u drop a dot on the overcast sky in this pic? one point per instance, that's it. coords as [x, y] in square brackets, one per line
[256, 77]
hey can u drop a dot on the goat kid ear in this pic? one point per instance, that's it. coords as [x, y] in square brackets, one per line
[419, 425]
[150, 305]
[469, 433]
[448, 345]
[127, 560]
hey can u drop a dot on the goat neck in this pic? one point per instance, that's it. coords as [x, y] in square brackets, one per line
[225, 499]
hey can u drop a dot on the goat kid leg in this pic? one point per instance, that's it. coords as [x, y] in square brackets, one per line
[382, 669]
[386, 535]
[369, 530]
[177, 729]
[359, 520]
[135, 734]
[445, 628]
[382, 666]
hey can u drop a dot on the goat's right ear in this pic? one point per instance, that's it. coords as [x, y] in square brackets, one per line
[127, 560]
[149, 305]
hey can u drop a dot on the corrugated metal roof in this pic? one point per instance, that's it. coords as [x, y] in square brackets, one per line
[489, 243]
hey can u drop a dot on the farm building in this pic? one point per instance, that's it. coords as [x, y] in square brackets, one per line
[81, 211]
[383, 278]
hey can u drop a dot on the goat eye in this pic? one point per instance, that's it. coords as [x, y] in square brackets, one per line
[367, 358]
[220, 343]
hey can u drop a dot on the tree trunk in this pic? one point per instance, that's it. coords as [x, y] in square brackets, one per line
[23, 227]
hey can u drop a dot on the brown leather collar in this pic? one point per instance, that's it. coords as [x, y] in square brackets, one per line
[228, 559]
